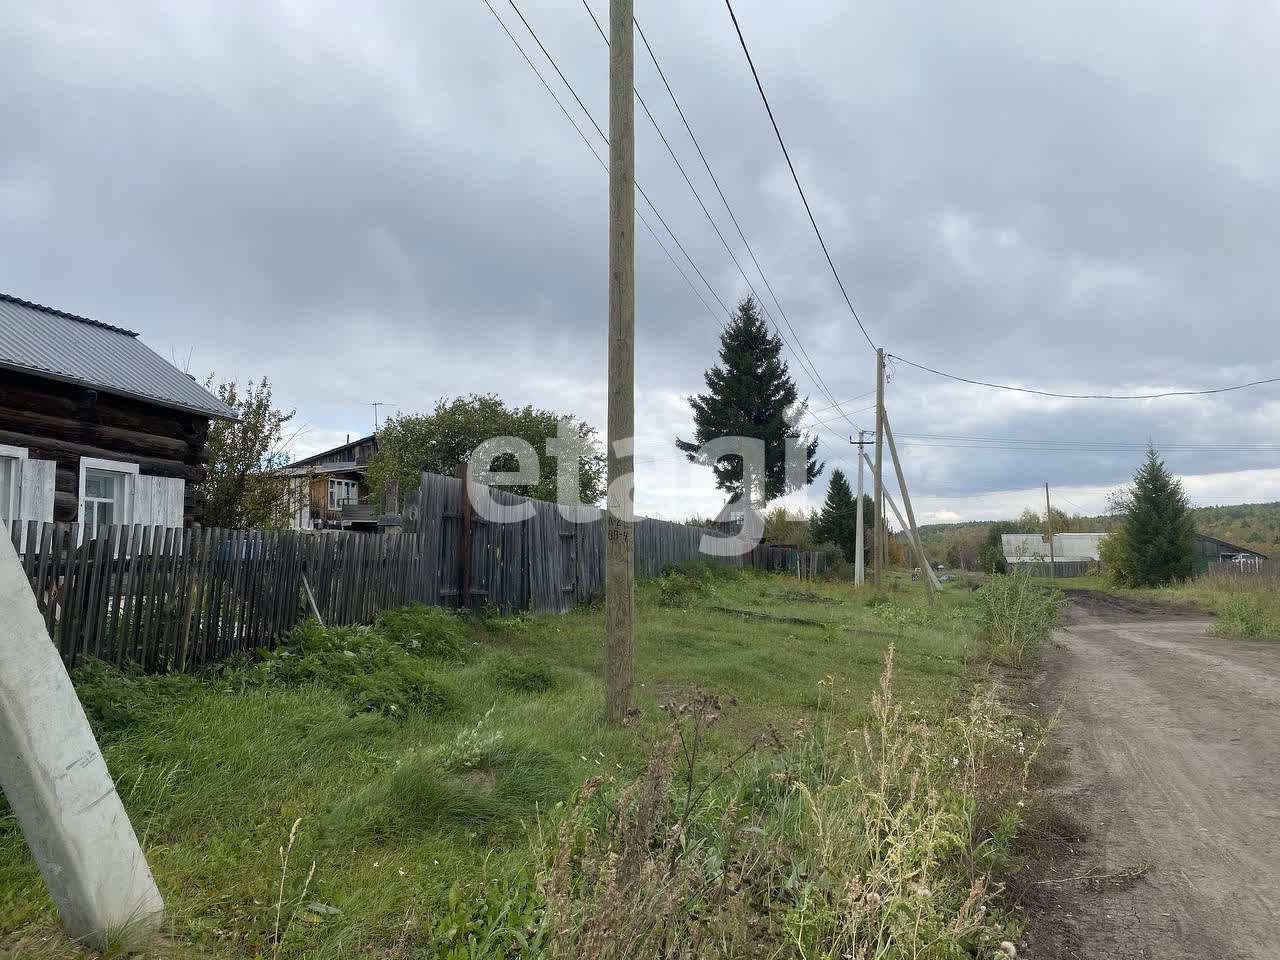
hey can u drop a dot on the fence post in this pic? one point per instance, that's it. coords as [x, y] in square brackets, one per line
[464, 545]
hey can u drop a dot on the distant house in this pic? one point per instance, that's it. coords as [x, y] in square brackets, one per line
[1034, 547]
[95, 427]
[1212, 550]
[338, 492]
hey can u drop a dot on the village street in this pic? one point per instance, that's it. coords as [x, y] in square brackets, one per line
[1174, 778]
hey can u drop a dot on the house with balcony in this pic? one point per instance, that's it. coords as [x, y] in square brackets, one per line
[337, 491]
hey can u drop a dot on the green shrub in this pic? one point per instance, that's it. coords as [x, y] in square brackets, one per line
[703, 571]
[425, 631]
[482, 784]
[1017, 615]
[116, 699]
[679, 590]
[521, 674]
[1249, 616]
[378, 674]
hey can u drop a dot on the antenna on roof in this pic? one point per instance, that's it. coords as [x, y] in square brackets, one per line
[376, 404]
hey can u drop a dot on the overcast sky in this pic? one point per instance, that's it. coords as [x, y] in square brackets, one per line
[380, 202]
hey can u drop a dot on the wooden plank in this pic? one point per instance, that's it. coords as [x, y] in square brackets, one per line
[115, 595]
[103, 599]
[83, 574]
[465, 542]
[152, 541]
[127, 605]
[89, 606]
[43, 592]
[198, 569]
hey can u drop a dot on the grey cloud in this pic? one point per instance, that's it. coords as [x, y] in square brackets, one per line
[382, 203]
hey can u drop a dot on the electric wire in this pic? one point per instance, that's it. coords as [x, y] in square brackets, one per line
[1085, 396]
[802, 356]
[794, 176]
[563, 109]
[603, 136]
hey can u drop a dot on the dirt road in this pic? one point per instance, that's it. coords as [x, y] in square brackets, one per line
[1172, 751]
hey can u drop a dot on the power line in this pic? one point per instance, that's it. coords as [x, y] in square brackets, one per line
[813, 410]
[600, 160]
[728, 208]
[1119, 444]
[802, 357]
[795, 177]
[1086, 396]
[604, 137]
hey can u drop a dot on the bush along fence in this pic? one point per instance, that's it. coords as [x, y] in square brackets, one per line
[173, 599]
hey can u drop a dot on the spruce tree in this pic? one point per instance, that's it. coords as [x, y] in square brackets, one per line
[749, 394]
[1158, 532]
[837, 522]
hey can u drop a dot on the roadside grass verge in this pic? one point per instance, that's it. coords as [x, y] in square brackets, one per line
[1247, 605]
[419, 756]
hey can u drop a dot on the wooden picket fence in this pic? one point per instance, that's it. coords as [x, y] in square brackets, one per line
[174, 599]
[161, 597]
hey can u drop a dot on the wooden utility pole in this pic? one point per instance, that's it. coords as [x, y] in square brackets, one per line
[878, 550]
[859, 561]
[619, 551]
[1048, 526]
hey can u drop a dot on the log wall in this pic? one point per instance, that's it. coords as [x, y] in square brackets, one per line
[63, 422]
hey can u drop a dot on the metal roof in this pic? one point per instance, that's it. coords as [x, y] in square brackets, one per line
[1032, 547]
[53, 343]
[323, 456]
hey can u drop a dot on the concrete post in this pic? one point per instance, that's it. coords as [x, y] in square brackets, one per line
[54, 777]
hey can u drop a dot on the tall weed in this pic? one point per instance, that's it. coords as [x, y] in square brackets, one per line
[884, 842]
[1017, 615]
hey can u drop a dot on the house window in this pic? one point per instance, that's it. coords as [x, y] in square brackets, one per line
[342, 491]
[104, 493]
[105, 490]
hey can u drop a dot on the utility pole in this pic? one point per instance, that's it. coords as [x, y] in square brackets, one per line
[619, 551]
[878, 550]
[859, 562]
[1048, 525]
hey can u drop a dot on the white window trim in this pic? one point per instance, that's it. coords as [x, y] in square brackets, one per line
[115, 466]
[11, 510]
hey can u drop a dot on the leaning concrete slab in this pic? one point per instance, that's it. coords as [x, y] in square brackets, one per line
[54, 777]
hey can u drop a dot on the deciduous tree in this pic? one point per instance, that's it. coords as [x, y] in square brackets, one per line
[440, 441]
[244, 489]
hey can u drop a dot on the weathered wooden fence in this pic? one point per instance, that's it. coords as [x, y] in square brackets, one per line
[1230, 568]
[161, 597]
[1059, 568]
[173, 599]
[545, 562]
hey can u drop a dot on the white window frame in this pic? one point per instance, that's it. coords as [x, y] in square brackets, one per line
[349, 490]
[130, 470]
[10, 511]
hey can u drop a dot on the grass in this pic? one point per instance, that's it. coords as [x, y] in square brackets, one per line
[1248, 606]
[417, 757]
